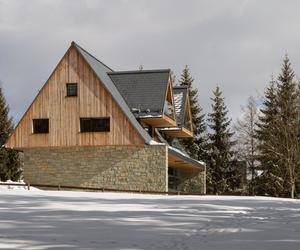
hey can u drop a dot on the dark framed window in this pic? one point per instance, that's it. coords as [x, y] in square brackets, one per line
[40, 126]
[101, 124]
[71, 89]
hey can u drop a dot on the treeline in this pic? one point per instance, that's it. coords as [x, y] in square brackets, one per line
[259, 154]
[10, 165]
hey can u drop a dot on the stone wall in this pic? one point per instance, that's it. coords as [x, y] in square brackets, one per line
[117, 167]
[192, 182]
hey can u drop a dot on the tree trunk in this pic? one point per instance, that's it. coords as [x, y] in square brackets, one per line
[293, 187]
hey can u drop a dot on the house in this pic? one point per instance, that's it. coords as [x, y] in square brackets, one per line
[91, 126]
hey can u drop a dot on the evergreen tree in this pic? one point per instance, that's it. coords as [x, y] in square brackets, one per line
[288, 124]
[269, 182]
[195, 146]
[280, 132]
[9, 160]
[222, 172]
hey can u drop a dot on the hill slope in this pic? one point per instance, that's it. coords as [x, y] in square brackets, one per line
[79, 220]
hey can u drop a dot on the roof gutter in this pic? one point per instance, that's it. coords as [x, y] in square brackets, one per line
[183, 156]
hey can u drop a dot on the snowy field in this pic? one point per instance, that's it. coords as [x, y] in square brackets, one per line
[78, 220]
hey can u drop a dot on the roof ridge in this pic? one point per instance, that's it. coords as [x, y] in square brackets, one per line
[75, 44]
[139, 71]
[101, 72]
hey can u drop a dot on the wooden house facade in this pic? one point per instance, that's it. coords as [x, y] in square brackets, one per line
[91, 126]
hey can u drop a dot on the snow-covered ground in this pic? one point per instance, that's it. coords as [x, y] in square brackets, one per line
[15, 185]
[81, 220]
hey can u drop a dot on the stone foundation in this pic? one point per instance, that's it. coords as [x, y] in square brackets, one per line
[116, 167]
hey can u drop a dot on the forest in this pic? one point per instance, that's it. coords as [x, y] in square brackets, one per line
[259, 153]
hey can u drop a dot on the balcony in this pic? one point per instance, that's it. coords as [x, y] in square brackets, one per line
[169, 110]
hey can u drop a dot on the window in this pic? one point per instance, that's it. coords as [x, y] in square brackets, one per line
[40, 126]
[173, 179]
[95, 124]
[169, 109]
[71, 89]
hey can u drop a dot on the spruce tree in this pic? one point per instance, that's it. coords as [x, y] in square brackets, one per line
[280, 132]
[270, 181]
[289, 125]
[9, 160]
[221, 167]
[195, 146]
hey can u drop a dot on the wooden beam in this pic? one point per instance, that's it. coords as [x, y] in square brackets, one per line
[159, 122]
[178, 133]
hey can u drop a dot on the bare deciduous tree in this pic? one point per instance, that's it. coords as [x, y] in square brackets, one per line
[247, 142]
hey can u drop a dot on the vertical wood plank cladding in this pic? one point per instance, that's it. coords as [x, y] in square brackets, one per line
[63, 112]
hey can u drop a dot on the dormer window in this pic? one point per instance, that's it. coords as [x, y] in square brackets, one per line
[71, 89]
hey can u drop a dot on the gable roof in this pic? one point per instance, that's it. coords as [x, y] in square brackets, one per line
[101, 70]
[143, 90]
[180, 94]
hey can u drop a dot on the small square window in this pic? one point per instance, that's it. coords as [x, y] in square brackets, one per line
[71, 89]
[40, 126]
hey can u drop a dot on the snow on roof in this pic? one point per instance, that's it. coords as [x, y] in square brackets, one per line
[187, 157]
[180, 93]
[152, 142]
[178, 101]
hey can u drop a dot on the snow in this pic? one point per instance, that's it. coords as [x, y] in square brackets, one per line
[152, 142]
[170, 129]
[22, 185]
[82, 220]
[150, 116]
[178, 102]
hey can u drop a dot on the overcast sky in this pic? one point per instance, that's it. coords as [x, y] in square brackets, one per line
[236, 44]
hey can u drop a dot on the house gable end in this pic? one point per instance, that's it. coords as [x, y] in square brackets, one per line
[64, 113]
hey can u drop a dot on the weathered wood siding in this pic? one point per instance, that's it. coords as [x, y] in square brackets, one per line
[63, 112]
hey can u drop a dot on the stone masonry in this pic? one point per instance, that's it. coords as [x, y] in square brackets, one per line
[116, 167]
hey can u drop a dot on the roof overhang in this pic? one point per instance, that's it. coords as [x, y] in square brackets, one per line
[178, 159]
[162, 121]
[178, 132]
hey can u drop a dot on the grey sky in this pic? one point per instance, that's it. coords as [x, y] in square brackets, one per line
[233, 43]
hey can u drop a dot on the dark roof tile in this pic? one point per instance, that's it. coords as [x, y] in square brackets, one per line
[144, 90]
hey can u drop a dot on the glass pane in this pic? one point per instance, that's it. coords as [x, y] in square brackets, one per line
[95, 124]
[40, 126]
[71, 89]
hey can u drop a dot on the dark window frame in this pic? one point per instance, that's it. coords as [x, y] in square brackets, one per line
[38, 128]
[70, 92]
[89, 124]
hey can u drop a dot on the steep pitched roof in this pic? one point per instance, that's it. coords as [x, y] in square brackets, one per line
[180, 94]
[101, 70]
[143, 90]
